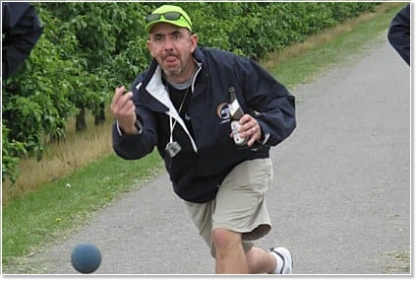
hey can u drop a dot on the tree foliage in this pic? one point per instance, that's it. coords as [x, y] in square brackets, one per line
[88, 48]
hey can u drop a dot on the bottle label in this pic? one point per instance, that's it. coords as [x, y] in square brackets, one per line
[234, 108]
[235, 126]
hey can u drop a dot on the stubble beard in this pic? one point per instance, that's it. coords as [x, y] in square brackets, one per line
[174, 74]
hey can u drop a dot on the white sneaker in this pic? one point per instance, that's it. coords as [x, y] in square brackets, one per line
[286, 256]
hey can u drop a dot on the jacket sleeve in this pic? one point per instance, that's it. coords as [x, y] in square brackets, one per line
[269, 101]
[21, 30]
[133, 147]
[399, 33]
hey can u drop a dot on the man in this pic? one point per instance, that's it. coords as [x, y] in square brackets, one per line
[21, 30]
[399, 33]
[181, 105]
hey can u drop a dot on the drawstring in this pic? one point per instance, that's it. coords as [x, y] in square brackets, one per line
[173, 124]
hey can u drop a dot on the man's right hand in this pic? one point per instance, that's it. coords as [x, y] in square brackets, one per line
[123, 110]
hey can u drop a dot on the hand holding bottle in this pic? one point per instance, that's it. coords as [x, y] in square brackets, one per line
[245, 130]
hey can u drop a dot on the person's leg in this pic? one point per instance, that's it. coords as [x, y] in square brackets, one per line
[237, 216]
[230, 256]
[240, 215]
[260, 261]
[229, 244]
[275, 261]
[231, 259]
[201, 214]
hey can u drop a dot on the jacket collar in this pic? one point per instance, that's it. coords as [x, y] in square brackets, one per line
[155, 87]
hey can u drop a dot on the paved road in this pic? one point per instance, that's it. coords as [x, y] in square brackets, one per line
[340, 200]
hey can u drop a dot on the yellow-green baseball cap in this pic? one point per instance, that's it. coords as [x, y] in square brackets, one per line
[168, 14]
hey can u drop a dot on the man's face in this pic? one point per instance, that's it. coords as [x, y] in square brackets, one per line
[172, 47]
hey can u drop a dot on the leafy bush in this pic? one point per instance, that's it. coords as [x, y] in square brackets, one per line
[89, 48]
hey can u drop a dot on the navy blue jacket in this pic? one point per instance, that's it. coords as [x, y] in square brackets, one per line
[399, 33]
[208, 153]
[21, 30]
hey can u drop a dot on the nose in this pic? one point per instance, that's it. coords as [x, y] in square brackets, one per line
[168, 45]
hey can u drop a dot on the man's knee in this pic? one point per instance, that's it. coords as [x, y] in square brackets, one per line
[224, 239]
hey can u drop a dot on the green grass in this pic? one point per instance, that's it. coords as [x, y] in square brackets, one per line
[45, 216]
[62, 206]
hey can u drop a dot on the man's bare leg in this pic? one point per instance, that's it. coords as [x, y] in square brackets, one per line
[260, 261]
[230, 256]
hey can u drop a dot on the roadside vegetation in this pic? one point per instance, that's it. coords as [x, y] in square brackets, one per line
[89, 48]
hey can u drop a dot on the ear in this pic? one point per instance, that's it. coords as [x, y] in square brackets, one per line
[149, 48]
[194, 39]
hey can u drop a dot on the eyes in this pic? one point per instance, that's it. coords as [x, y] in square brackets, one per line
[174, 36]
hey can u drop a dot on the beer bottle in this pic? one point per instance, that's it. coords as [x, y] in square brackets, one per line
[235, 114]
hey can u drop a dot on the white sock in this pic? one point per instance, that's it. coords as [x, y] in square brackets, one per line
[280, 263]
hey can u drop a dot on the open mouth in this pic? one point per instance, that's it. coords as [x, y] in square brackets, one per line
[171, 59]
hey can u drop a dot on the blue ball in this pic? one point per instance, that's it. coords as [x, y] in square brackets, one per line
[86, 258]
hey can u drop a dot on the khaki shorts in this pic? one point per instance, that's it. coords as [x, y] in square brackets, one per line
[239, 206]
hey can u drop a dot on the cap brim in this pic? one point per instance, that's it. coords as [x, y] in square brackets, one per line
[179, 23]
